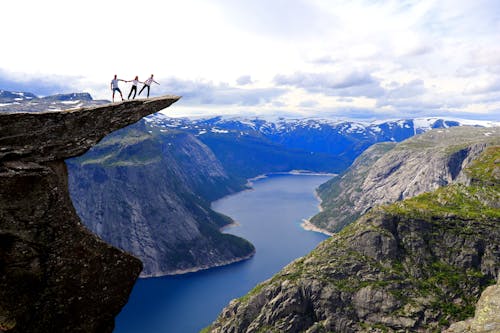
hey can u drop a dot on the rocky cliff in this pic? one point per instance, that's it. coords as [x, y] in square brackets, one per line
[148, 191]
[414, 266]
[388, 172]
[56, 276]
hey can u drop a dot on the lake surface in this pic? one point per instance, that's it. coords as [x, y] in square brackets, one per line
[269, 216]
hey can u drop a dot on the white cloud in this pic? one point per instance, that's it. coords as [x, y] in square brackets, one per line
[330, 55]
[244, 80]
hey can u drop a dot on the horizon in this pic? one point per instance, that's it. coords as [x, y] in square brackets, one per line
[357, 59]
[291, 116]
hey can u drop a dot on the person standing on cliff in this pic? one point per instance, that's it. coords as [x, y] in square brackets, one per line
[114, 87]
[147, 84]
[135, 82]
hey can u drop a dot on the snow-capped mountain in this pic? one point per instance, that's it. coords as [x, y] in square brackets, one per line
[402, 128]
[312, 144]
[11, 101]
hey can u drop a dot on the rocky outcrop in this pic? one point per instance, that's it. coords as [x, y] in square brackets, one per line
[487, 317]
[56, 276]
[148, 192]
[414, 266]
[389, 172]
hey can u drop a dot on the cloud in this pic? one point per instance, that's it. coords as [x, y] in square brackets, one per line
[244, 80]
[324, 60]
[208, 93]
[308, 103]
[38, 85]
[484, 86]
[351, 84]
[278, 18]
[405, 90]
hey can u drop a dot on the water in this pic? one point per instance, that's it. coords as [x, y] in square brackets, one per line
[269, 216]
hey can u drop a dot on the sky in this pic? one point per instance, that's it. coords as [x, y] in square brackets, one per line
[372, 59]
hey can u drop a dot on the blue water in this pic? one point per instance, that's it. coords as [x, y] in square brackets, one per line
[269, 216]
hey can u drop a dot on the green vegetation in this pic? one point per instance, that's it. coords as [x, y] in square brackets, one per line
[252, 292]
[486, 168]
[455, 201]
[446, 283]
[206, 329]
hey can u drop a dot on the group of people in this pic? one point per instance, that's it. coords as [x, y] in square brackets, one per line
[135, 82]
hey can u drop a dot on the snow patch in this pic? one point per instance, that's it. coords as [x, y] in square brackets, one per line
[216, 130]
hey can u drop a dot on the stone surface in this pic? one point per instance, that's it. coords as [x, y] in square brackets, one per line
[56, 276]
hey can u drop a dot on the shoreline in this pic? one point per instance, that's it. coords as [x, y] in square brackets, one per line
[291, 172]
[307, 225]
[198, 268]
[230, 225]
[320, 208]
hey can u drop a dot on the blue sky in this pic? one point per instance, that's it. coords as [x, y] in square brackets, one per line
[361, 58]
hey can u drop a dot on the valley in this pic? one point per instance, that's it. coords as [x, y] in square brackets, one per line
[413, 211]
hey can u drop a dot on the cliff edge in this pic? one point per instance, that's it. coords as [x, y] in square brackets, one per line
[55, 275]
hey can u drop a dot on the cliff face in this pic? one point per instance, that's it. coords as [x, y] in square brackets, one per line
[56, 276]
[389, 172]
[416, 265]
[148, 192]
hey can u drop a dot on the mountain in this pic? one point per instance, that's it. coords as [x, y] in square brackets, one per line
[56, 276]
[69, 97]
[250, 147]
[11, 101]
[150, 195]
[413, 266]
[12, 96]
[388, 172]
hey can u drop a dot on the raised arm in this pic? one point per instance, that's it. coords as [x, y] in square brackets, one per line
[155, 82]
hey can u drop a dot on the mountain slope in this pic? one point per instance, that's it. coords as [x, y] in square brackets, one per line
[151, 197]
[387, 172]
[416, 265]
